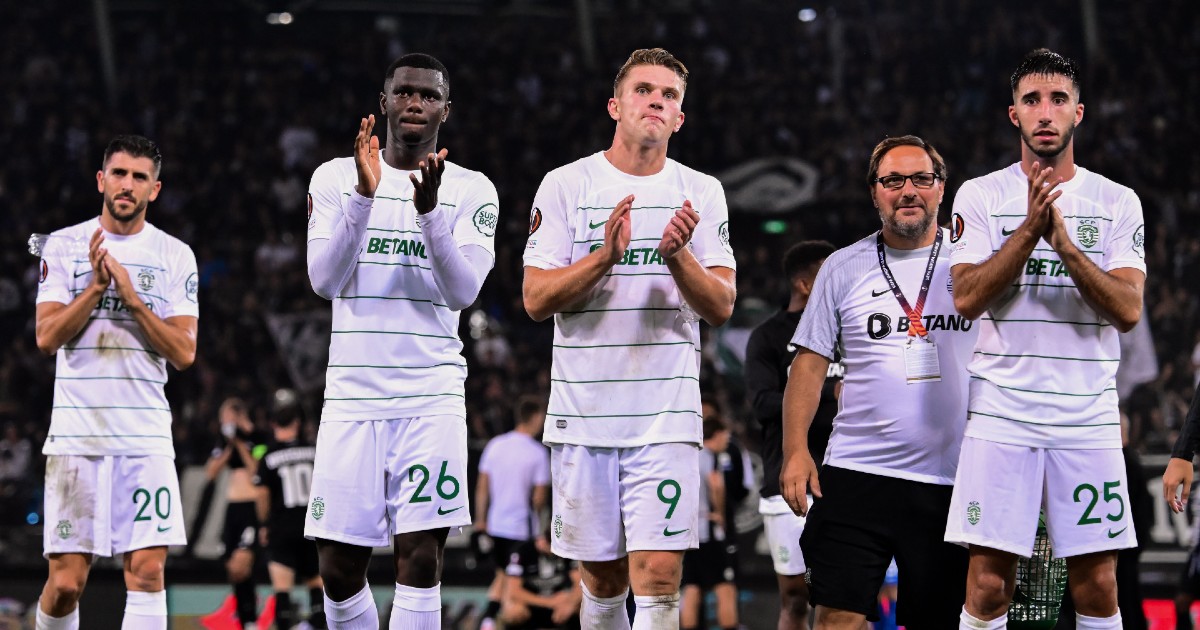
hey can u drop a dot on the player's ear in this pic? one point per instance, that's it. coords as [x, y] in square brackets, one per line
[154, 191]
[446, 111]
[100, 181]
[614, 109]
[383, 105]
[1012, 116]
[1078, 113]
[679, 123]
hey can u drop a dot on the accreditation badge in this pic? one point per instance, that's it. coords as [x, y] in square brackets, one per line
[921, 361]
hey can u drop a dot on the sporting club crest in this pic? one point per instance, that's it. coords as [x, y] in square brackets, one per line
[1088, 232]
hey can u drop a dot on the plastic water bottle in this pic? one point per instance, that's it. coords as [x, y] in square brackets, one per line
[57, 246]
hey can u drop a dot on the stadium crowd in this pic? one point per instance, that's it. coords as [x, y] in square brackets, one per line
[244, 111]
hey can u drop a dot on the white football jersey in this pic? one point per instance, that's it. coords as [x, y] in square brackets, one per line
[886, 426]
[1044, 373]
[395, 351]
[108, 380]
[626, 359]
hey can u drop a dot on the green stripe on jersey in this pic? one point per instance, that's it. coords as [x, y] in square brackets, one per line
[394, 264]
[109, 348]
[1065, 216]
[110, 435]
[1035, 391]
[1047, 321]
[1041, 284]
[1042, 356]
[1045, 424]
[88, 262]
[624, 415]
[78, 291]
[371, 229]
[440, 203]
[629, 345]
[399, 397]
[632, 208]
[108, 378]
[625, 380]
[401, 367]
[388, 332]
[384, 297]
[1047, 249]
[632, 240]
[614, 310]
[644, 273]
[108, 407]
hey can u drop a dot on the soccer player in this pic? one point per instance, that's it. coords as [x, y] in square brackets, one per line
[628, 250]
[401, 241]
[1050, 258]
[512, 492]
[240, 446]
[768, 357]
[885, 304]
[284, 479]
[116, 318]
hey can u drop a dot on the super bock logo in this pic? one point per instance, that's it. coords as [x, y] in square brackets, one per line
[64, 529]
[723, 235]
[1139, 241]
[485, 219]
[318, 508]
[146, 279]
[1088, 232]
[973, 513]
[191, 287]
[558, 526]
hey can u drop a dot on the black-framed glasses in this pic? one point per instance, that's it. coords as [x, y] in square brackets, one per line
[896, 182]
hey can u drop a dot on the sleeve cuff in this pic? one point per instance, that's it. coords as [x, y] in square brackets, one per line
[358, 203]
[432, 219]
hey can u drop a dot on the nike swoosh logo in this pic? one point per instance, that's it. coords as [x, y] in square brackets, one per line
[442, 512]
[1112, 534]
[596, 225]
[162, 529]
[879, 293]
[667, 532]
[1006, 231]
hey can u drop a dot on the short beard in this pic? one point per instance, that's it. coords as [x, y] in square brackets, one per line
[1052, 152]
[910, 231]
[111, 204]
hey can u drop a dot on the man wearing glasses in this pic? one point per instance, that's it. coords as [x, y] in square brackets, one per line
[886, 304]
[1050, 257]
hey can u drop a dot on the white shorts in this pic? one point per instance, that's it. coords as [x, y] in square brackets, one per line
[110, 504]
[610, 501]
[783, 528]
[1001, 487]
[375, 479]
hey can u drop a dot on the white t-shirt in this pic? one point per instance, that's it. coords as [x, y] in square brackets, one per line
[626, 359]
[1044, 373]
[108, 380]
[515, 463]
[395, 351]
[886, 426]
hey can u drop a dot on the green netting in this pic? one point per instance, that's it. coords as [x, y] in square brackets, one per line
[1041, 580]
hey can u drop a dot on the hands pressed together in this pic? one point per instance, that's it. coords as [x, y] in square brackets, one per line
[676, 235]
